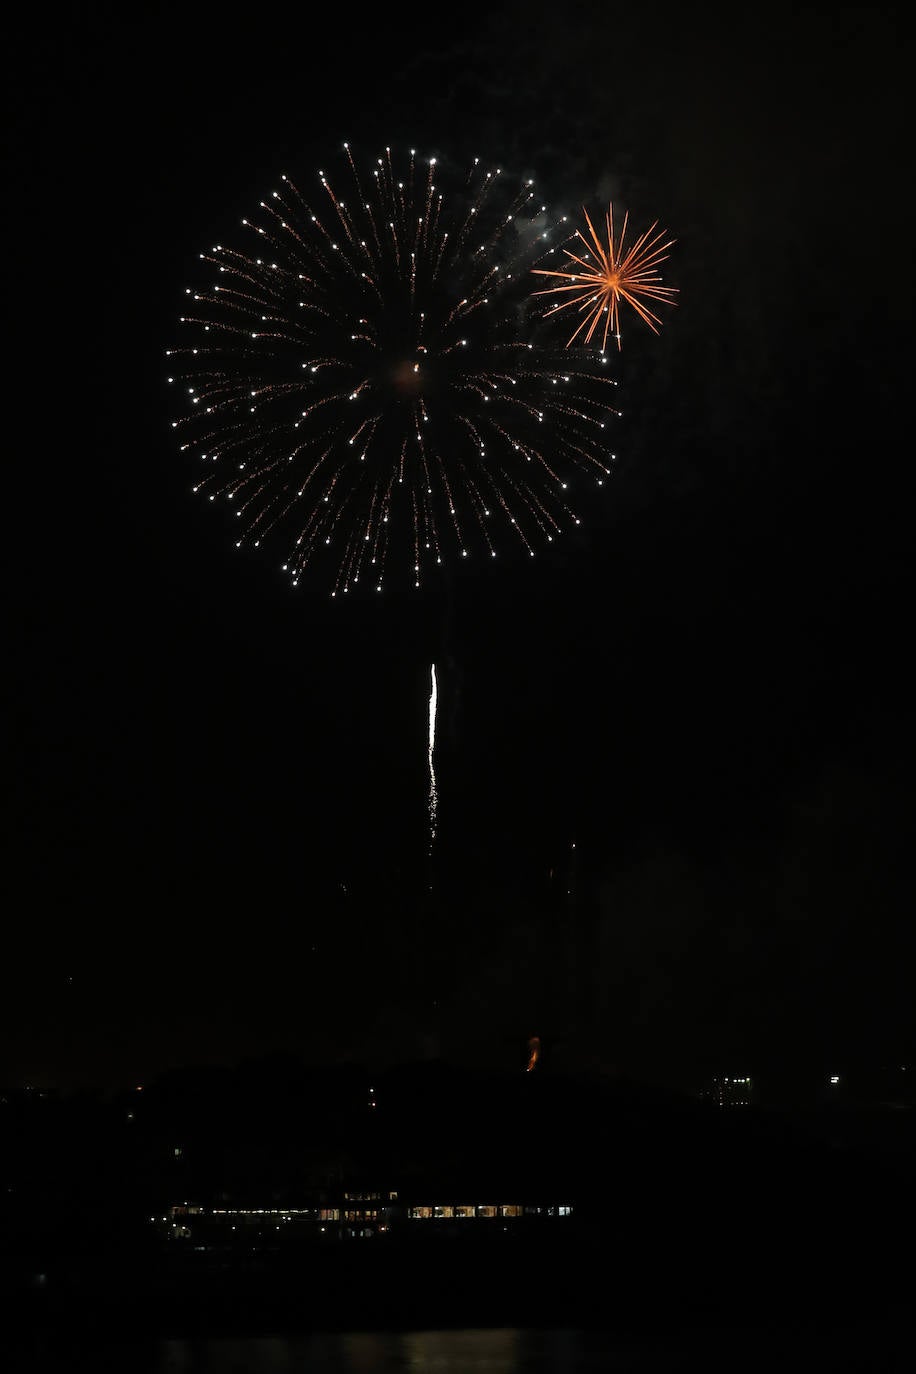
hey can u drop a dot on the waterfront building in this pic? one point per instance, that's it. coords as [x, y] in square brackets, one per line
[350, 1216]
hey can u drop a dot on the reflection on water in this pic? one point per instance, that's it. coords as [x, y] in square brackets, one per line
[873, 1346]
[409, 1352]
[467, 1351]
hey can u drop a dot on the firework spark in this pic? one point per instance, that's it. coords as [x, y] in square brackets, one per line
[610, 276]
[371, 384]
[430, 753]
[534, 1052]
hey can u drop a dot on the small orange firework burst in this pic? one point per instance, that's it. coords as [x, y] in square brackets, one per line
[616, 275]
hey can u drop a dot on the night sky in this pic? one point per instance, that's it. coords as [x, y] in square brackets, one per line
[218, 827]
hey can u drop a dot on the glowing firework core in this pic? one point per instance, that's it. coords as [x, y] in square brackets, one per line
[408, 378]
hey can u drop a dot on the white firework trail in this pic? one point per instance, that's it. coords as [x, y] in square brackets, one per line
[431, 749]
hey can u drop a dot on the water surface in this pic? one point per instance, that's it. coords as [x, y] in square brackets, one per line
[828, 1348]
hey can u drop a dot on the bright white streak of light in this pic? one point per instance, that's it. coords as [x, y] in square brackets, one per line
[433, 795]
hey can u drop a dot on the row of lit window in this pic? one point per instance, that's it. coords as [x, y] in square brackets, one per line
[316, 1213]
[484, 1210]
[433, 1212]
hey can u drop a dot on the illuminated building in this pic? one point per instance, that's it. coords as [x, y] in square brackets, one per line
[488, 1211]
[363, 1214]
[726, 1091]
